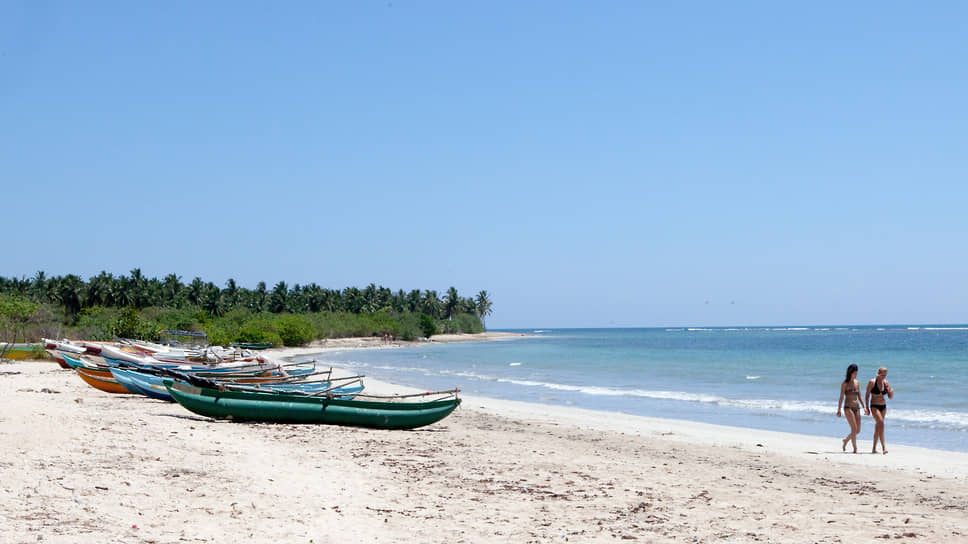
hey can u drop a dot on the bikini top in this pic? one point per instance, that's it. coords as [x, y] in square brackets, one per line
[876, 389]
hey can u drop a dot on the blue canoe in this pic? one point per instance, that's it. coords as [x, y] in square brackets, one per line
[153, 385]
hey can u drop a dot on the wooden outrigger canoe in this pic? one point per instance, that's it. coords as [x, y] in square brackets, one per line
[380, 413]
[100, 379]
[152, 385]
[22, 351]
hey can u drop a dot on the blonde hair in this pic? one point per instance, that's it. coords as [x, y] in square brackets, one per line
[882, 370]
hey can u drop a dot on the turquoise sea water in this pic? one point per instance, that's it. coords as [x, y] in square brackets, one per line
[777, 378]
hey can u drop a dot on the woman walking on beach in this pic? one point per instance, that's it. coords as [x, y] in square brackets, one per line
[851, 401]
[877, 390]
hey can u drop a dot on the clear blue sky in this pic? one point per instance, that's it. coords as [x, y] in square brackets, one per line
[587, 163]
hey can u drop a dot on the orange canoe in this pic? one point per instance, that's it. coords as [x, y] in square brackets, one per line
[97, 380]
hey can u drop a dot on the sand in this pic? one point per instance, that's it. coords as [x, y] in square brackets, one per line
[79, 465]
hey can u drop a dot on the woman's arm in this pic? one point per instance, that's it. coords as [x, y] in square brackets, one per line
[840, 401]
[867, 398]
[890, 390]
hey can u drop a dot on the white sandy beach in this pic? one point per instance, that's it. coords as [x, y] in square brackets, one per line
[80, 465]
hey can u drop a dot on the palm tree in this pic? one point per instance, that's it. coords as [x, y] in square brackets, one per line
[431, 304]
[451, 303]
[40, 287]
[100, 290]
[483, 304]
[70, 291]
[259, 297]
[279, 298]
[352, 300]
[399, 303]
[171, 287]
[413, 300]
[369, 296]
[297, 303]
[195, 290]
[231, 293]
[313, 296]
[212, 300]
[139, 293]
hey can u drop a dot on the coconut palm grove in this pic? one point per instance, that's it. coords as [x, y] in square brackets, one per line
[134, 306]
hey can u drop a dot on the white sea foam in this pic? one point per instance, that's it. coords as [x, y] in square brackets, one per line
[753, 377]
[948, 420]
[514, 364]
[946, 328]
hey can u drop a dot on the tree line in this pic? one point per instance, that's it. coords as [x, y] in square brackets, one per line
[73, 299]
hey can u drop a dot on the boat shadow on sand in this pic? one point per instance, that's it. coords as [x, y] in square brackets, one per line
[192, 418]
[203, 419]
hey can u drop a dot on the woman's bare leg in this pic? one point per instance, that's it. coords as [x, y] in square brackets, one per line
[883, 446]
[878, 429]
[853, 418]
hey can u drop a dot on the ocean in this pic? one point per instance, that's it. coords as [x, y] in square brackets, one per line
[776, 378]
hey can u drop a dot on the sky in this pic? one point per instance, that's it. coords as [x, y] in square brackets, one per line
[588, 164]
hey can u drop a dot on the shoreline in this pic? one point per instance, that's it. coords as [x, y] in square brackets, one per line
[78, 465]
[372, 342]
[804, 447]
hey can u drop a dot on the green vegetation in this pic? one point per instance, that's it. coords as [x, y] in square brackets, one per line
[133, 306]
[16, 313]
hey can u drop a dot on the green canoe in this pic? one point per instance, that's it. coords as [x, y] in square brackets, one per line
[295, 408]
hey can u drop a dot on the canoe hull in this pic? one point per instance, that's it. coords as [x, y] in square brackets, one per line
[98, 380]
[142, 384]
[56, 355]
[280, 408]
[22, 351]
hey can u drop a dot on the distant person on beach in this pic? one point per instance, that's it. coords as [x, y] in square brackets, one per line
[851, 401]
[877, 391]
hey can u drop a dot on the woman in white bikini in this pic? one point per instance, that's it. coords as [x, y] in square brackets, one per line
[851, 401]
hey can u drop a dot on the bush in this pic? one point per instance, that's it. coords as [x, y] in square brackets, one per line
[219, 334]
[177, 319]
[130, 325]
[15, 313]
[409, 326]
[259, 330]
[295, 330]
[427, 325]
[96, 323]
[468, 323]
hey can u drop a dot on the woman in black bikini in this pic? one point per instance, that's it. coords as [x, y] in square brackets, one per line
[851, 401]
[877, 391]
